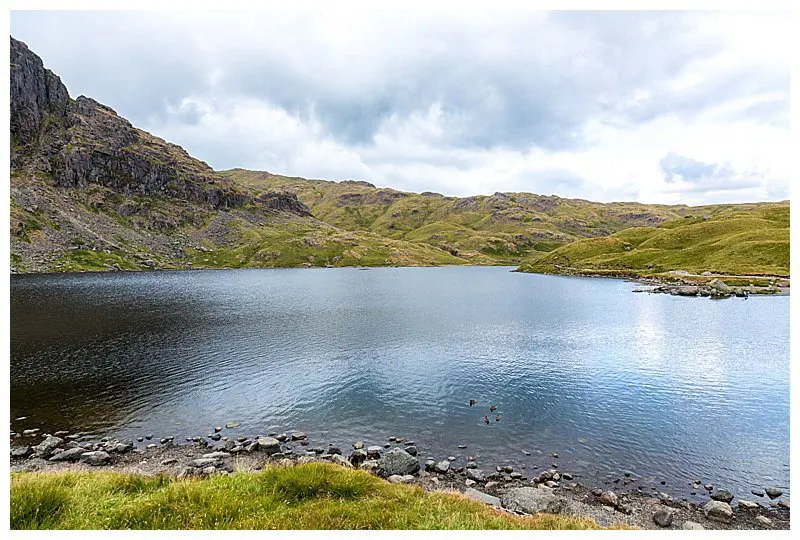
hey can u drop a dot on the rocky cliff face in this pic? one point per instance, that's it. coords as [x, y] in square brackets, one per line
[77, 143]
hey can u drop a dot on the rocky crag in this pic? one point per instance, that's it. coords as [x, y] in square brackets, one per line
[89, 191]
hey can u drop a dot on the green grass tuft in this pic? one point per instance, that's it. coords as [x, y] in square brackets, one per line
[310, 496]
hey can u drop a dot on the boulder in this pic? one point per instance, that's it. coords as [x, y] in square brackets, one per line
[46, 447]
[358, 457]
[411, 449]
[476, 475]
[442, 467]
[371, 465]
[609, 498]
[663, 517]
[398, 462]
[533, 500]
[718, 511]
[269, 445]
[21, 451]
[722, 495]
[482, 497]
[773, 492]
[95, 458]
[299, 436]
[73, 454]
[747, 505]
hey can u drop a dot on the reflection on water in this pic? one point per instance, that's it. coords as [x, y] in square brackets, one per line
[670, 388]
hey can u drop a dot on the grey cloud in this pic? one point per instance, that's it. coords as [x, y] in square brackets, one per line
[705, 176]
[676, 167]
[549, 75]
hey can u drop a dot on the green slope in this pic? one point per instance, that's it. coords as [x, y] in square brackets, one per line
[503, 228]
[751, 241]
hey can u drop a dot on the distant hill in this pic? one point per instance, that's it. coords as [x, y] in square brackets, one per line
[750, 240]
[499, 228]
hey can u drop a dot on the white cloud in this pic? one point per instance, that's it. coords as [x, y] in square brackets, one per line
[577, 104]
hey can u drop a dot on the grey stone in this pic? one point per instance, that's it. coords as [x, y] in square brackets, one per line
[718, 511]
[749, 505]
[169, 461]
[609, 498]
[20, 451]
[374, 452]
[469, 483]
[401, 479]
[340, 460]
[46, 447]
[472, 465]
[483, 497]
[216, 455]
[764, 520]
[722, 495]
[692, 526]
[204, 462]
[663, 517]
[442, 467]
[95, 458]
[298, 435]
[73, 454]
[358, 457]
[533, 500]
[476, 474]
[411, 449]
[398, 462]
[268, 445]
[773, 492]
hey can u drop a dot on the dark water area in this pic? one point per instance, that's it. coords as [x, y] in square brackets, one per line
[672, 389]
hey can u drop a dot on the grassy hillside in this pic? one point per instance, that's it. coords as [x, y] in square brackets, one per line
[504, 227]
[751, 240]
[311, 496]
[62, 229]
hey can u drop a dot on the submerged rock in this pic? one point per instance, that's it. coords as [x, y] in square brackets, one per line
[722, 495]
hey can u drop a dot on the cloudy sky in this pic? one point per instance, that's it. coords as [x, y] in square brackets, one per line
[657, 107]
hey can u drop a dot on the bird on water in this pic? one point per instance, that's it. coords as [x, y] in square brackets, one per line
[485, 419]
[472, 402]
[492, 408]
[497, 418]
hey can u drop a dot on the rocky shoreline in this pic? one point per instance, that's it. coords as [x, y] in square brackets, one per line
[398, 460]
[715, 288]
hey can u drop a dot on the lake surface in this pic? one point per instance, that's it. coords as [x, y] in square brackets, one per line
[670, 388]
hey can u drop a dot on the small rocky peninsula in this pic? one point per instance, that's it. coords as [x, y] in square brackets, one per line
[399, 460]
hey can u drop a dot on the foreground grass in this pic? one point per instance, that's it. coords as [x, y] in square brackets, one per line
[310, 496]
